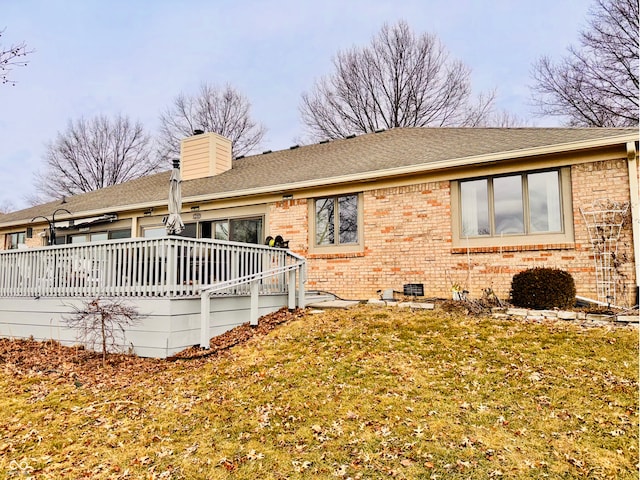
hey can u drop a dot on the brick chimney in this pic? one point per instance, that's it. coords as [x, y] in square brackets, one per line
[204, 155]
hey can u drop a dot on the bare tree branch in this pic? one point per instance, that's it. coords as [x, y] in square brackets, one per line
[10, 57]
[399, 80]
[93, 154]
[596, 84]
[101, 323]
[220, 110]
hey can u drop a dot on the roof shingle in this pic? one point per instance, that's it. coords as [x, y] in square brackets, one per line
[400, 147]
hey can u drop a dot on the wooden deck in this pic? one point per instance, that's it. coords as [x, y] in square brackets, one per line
[187, 290]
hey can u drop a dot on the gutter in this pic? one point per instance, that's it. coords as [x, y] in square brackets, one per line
[591, 301]
[632, 163]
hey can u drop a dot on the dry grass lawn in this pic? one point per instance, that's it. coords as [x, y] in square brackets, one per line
[372, 392]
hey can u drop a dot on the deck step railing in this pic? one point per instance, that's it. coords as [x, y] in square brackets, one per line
[158, 267]
[253, 281]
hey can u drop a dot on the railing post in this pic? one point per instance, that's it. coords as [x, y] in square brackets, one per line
[255, 297]
[172, 259]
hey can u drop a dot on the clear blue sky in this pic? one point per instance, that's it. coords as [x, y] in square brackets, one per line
[134, 56]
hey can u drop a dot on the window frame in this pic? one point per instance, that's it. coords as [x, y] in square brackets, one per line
[336, 247]
[210, 230]
[565, 235]
[9, 245]
[89, 236]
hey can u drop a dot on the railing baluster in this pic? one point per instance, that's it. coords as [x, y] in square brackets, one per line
[140, 267]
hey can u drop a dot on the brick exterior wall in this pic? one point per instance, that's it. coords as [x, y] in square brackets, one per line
[408, 239]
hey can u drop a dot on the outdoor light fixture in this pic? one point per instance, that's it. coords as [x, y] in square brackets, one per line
[52, 224]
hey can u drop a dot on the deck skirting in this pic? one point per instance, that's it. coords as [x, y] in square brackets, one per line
[168, 325]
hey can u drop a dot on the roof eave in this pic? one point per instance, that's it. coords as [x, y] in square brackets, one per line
[424, 167]
[377, 174]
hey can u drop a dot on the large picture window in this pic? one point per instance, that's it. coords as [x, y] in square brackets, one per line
[336, 220]
[528, 204]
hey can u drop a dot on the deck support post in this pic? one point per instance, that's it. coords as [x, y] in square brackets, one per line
[301, 280]
[205, 321]
[292, 289]
[255, 297]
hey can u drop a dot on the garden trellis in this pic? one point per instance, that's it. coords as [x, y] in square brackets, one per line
[604, 220]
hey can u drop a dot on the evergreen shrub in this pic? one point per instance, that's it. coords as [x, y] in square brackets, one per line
[542, 288]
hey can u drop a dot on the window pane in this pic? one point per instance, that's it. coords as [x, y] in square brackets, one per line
[190, 230]
[324, 221]
[96, 237]
[12, 241]
[544, 202]
[222, 230]
[247, 230]
[348, 215]
[116, 234]
[507, 201]
[82, 238]
[475, 208]
[154, 232]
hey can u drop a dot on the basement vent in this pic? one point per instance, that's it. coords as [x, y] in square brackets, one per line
[414, 290]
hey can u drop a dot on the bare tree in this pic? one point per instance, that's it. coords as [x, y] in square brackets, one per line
[220, 110]
[101, 323]
[12, 56]
[96, 153]
[6, 206]
[596, 84]
[399, 80]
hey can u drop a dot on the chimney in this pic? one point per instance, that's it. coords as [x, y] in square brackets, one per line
[204, 155]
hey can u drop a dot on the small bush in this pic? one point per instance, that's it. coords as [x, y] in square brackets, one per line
[543, 288]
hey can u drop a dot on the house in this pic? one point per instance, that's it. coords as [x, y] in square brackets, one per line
[431, 207]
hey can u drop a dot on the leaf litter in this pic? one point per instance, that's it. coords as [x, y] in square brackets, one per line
[362, 393]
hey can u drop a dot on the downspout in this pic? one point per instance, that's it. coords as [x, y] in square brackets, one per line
[635, 221]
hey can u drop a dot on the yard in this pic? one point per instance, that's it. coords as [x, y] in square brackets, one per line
[371, 392]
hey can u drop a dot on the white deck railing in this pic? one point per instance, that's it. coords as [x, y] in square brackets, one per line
[168, 267]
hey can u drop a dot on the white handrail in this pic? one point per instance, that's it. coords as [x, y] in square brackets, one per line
[249, 278]
[252, 280]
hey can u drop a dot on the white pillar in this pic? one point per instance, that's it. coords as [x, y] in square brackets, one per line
[205, 306]
[255, 297]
